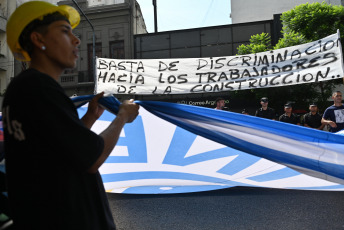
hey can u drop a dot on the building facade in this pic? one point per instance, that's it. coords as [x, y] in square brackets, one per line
[215, 41]
[6, 57]
[253, 10]
[120, 33]
[113, 25]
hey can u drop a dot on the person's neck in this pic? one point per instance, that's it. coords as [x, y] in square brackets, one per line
[264, 107]
[46, 67]
[337, 104]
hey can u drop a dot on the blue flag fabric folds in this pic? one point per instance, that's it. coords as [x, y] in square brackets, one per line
[312, 152]
[110, 103]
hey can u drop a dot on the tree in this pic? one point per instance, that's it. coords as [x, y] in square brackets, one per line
[290, 39]
[314, 21]
[305, 23]
[258, 43]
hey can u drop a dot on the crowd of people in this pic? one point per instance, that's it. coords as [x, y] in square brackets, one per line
[332, 119]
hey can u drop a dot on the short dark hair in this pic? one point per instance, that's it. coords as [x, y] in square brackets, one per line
[288, 105]
[335, 93]
[219, 99]
[39, 26]
[264, 99]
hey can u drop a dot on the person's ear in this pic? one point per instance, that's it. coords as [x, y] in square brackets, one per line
[37, 40]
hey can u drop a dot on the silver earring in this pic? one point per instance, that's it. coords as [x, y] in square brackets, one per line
[43, 47]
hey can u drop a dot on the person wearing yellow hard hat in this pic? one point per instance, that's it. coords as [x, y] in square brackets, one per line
[52, 157]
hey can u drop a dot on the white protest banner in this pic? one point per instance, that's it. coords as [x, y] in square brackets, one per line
[316, 61]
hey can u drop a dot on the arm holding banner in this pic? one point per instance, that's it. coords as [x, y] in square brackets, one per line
[94, 111]
[128, 111]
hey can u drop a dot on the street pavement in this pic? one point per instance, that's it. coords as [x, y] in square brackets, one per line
[234, 208]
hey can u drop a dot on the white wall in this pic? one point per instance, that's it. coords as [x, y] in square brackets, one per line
[259, 10]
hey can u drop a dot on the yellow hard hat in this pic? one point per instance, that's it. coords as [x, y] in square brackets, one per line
[27, 13]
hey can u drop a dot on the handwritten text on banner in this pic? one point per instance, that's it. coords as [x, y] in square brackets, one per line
[312, 62]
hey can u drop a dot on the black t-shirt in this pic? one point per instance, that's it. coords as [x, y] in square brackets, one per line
[48, 151]
[269, 113]
[293, 119]
[313, 121]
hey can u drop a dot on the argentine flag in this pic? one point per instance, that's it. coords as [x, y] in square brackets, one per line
[174, 148]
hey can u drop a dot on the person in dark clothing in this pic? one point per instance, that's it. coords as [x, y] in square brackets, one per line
[52, 157]
[220, 103]
[245, 111]
[288, 116]
[313, 118]
[265, 111]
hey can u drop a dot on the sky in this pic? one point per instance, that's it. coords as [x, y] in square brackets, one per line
[185, 14]
[182, 14]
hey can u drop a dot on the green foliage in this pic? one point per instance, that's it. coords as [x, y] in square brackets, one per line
[290, 39]
[262, 42]
[314, 21]
[258, 43]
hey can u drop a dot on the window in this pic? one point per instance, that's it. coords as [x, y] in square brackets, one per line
[117, 50]
[66, 79]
